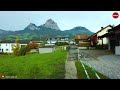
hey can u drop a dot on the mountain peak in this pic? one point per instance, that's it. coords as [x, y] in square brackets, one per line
[31, 26]
[51, 24]
[50, 20]
[79, 27]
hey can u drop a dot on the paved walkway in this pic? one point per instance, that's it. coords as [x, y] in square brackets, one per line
[105, 63]
[71, 71]
[73, 53]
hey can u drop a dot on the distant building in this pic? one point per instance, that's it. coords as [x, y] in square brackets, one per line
[53, 40]
[80, 38]
[81, 41]
[6, 46]
[38, 42]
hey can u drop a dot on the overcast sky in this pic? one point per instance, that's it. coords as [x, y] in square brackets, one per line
[92, 20]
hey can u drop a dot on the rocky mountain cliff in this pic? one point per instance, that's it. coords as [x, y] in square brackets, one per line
[51, 24]
[32, 26]
[50, 28]
[48, 24]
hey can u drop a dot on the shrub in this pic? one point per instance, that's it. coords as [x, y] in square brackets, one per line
[26, 49]
[23, 51]
[84, 44]
[61, 43]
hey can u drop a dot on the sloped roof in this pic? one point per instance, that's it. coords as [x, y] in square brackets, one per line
[100, 30]
[59, 37]
[114, 28]
[13, 41]
[81, 36]
[110, 31]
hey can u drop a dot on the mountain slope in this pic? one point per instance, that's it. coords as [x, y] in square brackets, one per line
[4, 32]
[1, 31]
[78, 30]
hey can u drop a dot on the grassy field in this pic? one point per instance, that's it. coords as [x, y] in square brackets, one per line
[35, 66]
[81, 74]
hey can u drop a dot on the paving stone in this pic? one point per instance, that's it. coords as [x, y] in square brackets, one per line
[108, 65]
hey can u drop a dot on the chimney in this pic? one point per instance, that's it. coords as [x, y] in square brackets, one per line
[101, 27]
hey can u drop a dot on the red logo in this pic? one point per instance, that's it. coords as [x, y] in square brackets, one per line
[115, 15]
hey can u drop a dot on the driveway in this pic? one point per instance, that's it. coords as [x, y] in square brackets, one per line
[103, 61]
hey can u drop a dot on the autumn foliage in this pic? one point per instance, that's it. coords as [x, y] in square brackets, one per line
[26, 49]
[16, 48]
[18, 51]
[29, 46]
[32, 45]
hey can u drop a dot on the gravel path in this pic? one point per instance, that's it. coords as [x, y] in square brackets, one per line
[71, 72]
[108, 65]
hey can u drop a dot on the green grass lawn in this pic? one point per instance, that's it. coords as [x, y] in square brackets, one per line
[81, 74]
[80, 70]
[35, 66]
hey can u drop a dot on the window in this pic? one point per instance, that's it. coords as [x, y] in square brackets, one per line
[22, 46]
[0, 49]
[6, 44]
[0, 44]
[6, 49]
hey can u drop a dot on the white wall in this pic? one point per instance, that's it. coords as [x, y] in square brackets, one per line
[117, 50]
[46, 50]
[64, 41]
[105, 40]
[5, 46]
[8, 46]
[51, 42]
